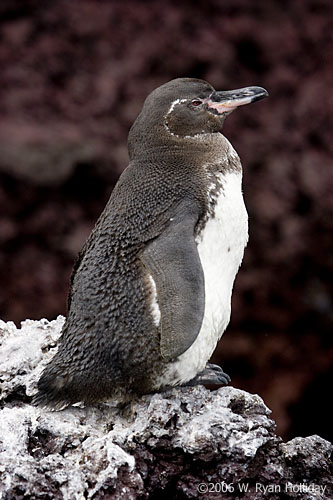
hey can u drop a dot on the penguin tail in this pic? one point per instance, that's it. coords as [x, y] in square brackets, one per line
[52, 392]
[43, 401]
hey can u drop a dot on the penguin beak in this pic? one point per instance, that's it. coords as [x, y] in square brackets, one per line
[225, 101]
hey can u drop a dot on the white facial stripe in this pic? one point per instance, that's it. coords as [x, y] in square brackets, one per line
[174, 103]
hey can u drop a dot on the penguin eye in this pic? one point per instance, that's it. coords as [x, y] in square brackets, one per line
[196, 102]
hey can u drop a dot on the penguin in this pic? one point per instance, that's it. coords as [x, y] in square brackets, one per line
[150, 292]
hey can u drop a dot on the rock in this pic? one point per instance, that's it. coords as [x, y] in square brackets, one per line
[181, 444]
[45, 164]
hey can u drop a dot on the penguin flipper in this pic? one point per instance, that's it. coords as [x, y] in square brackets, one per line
[173, 261]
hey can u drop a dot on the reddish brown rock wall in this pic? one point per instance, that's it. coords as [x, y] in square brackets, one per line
[74, 76]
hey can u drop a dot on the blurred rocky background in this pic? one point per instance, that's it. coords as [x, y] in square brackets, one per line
[73, 78]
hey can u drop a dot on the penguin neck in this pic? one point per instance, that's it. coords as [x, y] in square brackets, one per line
[205, 148]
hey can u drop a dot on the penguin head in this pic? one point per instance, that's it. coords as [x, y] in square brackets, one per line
[187, 107]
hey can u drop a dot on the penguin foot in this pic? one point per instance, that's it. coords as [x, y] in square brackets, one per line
[212, 375]
[217, 368]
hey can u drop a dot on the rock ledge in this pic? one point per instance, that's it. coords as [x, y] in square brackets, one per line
[186, 443]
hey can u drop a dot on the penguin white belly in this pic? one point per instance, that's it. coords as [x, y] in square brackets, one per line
[221, 248]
